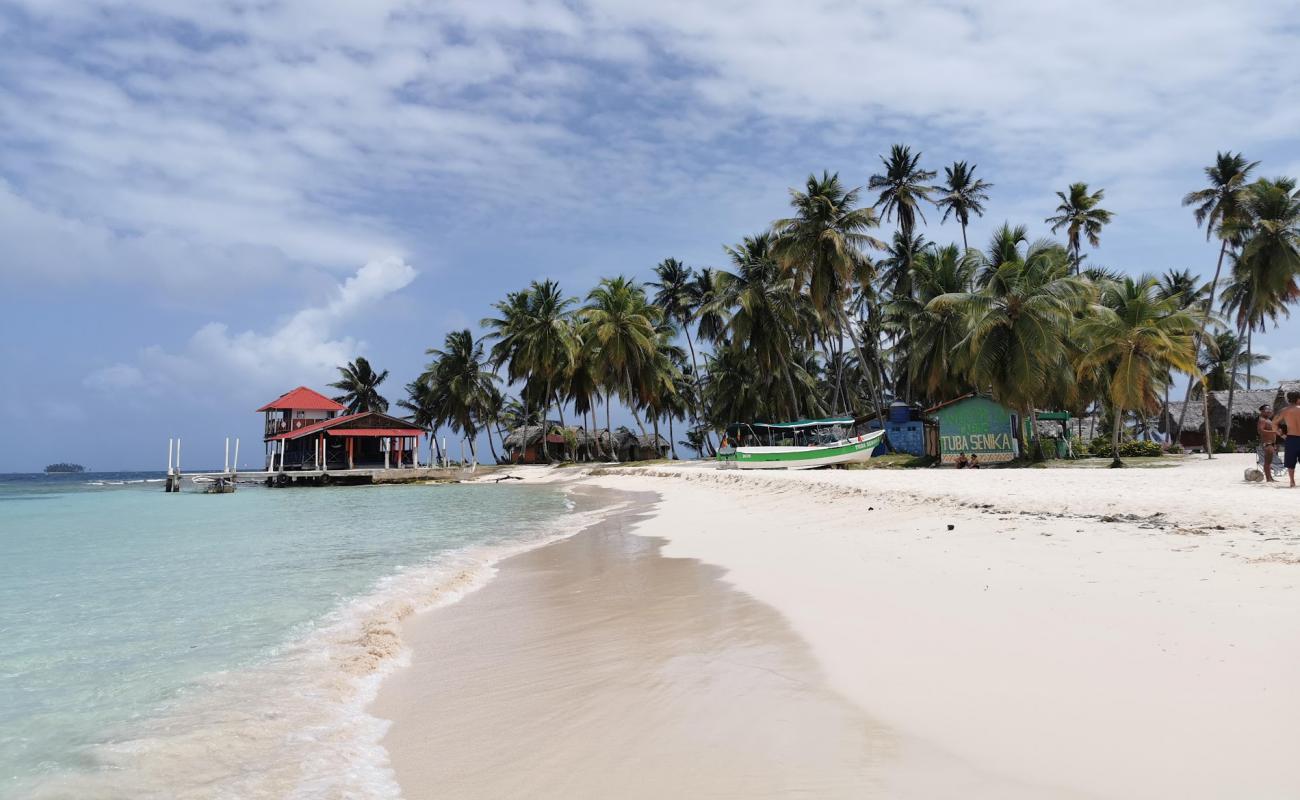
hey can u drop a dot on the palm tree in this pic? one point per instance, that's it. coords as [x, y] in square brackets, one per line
[464, 387]
[936, 364]
[619, 321]
[961, 195]
[766, 313]
[1267, 267]
[822, 246]
[420, 402]
[1219, 208]
[535, 341]
[678, 296]
[360, 386]
[903, 187]
[1186, 291]
[1222, 354]
[1019, 325]
[1136, 337]
[1080, 215]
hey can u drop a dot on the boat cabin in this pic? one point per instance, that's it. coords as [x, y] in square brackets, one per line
[306, 430]
[800, 433]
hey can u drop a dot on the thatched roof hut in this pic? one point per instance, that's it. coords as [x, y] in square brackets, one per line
[566, 442]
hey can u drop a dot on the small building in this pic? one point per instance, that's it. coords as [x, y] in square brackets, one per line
[564, 443]
[644, 447]
[908, 431]
[305, 431]
[974, 424]
[1245, 410]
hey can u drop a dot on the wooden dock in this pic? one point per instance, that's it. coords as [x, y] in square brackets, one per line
[333, 477]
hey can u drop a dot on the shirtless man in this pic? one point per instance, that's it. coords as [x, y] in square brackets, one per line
[1268, 439]
[1290, 416]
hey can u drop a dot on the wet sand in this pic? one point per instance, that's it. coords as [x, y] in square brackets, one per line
[596, 667]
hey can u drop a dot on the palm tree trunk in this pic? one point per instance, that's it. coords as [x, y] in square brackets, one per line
[559, 404]
[631, 405]
[654, 419]
[1250, 355]
[672, 438]
[965, 245]
[492, 447]
[871, 385]
[546, 412]
[1200, 334]
[1114, 436]
[1232, 384]
[699, 388]
[608, 429]
[1205, 407]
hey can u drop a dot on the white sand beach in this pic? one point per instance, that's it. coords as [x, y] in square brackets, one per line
[1063, 633]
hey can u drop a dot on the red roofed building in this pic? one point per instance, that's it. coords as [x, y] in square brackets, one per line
[304, 431]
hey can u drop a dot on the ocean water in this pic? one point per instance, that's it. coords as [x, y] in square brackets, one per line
[224, 646]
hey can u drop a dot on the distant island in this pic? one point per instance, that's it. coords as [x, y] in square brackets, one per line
[64, 468]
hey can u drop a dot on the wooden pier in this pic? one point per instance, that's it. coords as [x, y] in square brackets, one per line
[332, 477]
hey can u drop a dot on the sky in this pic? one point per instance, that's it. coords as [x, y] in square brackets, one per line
[203, 205]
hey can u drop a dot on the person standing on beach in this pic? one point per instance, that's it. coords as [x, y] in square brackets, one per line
[1267, 439]
[1290, 417]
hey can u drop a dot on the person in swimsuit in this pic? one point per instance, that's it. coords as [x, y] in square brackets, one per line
[1267, 439]
[1290, 417]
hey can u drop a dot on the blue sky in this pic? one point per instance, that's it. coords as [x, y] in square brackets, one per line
[205, 204]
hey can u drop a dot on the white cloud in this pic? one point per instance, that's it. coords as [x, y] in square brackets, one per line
[308, 135]
[305, 348]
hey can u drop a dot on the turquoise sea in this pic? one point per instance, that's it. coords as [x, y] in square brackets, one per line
[199, 646]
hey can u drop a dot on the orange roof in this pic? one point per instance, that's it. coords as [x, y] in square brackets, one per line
[301, 399]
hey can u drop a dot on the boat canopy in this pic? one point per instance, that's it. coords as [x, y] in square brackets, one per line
[802, 423]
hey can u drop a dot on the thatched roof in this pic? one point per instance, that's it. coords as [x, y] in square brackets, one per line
[529, 435]
[626, 438]
[1195, 419]
[1246, 403]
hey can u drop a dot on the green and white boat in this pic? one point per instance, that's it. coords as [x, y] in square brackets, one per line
[802, 444]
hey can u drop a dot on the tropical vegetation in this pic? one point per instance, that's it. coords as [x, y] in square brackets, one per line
[852, 300]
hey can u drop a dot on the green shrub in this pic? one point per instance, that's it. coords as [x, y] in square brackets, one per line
[1139, 449]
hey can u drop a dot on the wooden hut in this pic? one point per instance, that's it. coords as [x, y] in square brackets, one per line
[564, 443]
[644, 447]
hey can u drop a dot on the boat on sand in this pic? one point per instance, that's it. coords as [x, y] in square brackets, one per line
[802, 444]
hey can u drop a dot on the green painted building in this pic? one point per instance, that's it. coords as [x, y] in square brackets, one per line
[977, 425]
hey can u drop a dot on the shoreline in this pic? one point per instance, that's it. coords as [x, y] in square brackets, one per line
[1137, 650]
[595, 666]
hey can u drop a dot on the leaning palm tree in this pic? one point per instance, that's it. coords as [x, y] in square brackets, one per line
[962, 194]
[1081, 216]
[903, 187]
[822, 247]
[420, 403]
[1219, 208]
[464, 387]
[1136, 337]
[1019, 326]
[359, 384]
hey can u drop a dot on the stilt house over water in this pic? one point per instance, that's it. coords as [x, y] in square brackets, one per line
[305, 430]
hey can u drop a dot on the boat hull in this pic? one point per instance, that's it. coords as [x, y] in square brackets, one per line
[846, 451]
